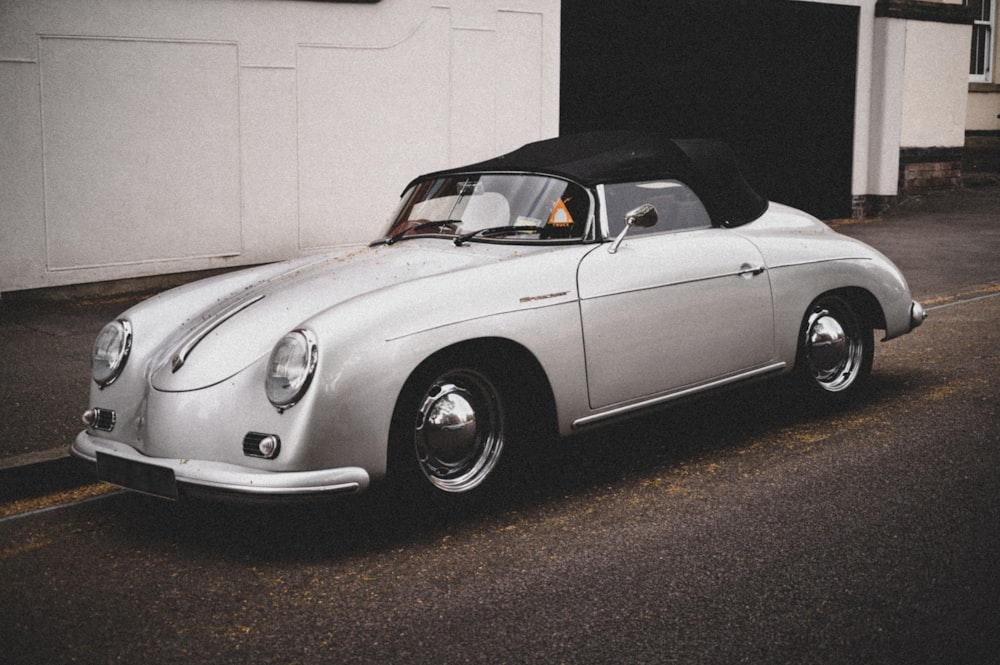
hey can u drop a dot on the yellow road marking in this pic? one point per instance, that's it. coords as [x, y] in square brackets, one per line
[22, 506]
[975, 292]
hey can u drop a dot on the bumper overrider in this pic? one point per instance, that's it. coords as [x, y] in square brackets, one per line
[123, 465]
[917, 314]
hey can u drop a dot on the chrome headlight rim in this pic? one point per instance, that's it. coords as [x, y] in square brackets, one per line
[110, 352]
[286, 388]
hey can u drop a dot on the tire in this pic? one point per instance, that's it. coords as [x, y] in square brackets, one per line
[836, 348]
[451, 429]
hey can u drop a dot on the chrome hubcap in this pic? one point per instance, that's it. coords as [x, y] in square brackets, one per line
[834, 350]
[459, 431]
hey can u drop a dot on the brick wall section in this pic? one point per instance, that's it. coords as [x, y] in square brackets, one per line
[923, 170]
[867, 206]
[919, 178]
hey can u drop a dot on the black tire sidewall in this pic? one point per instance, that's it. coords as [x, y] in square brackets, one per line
[841, 308]
[403, 471]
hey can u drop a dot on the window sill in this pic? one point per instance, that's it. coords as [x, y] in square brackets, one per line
[984, 87]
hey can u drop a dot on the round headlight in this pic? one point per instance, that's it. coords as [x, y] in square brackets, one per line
[111, 351]
[290, 368]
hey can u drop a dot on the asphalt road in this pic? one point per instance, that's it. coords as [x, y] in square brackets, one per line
[745, 528]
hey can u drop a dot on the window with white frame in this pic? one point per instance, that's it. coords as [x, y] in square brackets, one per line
[984, 22]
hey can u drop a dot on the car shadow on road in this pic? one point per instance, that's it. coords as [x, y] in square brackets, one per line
[704, 431]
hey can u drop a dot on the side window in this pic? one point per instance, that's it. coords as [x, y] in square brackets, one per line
[677, 207]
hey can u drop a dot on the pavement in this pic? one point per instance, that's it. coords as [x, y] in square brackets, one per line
[46, 335]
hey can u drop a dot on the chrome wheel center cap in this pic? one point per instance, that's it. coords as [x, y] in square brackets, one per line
[827, 342]
[448, 427]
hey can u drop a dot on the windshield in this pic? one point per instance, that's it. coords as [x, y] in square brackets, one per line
[492, 207]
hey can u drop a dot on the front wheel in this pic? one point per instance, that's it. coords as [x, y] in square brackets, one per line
[451, 428]
[836, 347]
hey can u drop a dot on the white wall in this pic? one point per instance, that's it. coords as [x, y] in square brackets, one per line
[984, 111]
[141, 137]
[935, 84]
[912, 92]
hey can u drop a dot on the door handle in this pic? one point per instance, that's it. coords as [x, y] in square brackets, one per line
[747, 270]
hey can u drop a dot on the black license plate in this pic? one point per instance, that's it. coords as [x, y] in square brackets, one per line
[146, 478]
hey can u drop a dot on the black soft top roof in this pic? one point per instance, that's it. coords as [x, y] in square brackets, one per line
[707, 166]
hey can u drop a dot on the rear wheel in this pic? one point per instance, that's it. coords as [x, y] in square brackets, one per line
[836, 347]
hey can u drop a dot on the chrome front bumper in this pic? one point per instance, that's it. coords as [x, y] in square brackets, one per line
[126, 466]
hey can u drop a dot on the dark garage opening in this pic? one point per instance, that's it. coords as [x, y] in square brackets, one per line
[774, 79]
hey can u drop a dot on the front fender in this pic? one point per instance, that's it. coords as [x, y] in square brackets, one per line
[360, 374]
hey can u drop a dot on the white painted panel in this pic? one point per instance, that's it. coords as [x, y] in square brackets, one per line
[369, 120]
[935, 84]
[157, 136]
[141, 150]
[270, 182]
[473, 95]
[22, 241]
[520, 80]
[982, 113]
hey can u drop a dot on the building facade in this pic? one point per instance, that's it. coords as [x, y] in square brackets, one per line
[160, 136]
[947, 124]
[981, 159]
[145, 138]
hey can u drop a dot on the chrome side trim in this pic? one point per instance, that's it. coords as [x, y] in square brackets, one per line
[742, 272]
[669, 397]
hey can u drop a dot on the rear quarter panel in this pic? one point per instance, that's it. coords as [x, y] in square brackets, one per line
[805, 259]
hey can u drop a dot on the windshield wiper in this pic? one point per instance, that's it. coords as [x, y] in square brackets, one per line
[422, 225]
[493, 229]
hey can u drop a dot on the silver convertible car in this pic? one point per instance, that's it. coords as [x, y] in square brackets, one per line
[562, 286]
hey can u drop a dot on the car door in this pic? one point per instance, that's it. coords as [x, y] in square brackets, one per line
[680, 305]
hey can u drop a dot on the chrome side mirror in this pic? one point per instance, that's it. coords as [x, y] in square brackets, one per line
[642, 217]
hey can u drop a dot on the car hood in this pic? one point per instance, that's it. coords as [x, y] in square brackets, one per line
[240, 329]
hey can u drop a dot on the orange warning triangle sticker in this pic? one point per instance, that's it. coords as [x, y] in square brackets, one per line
[560, 215]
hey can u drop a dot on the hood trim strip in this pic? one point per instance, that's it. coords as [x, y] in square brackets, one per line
[206, 327]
